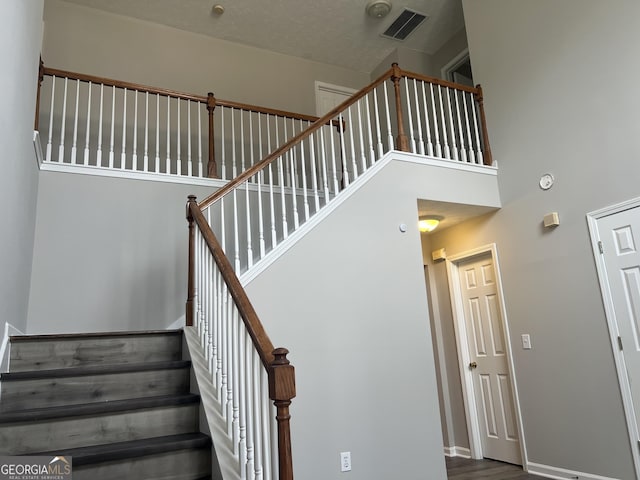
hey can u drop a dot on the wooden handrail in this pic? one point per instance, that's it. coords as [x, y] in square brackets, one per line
[281, 374]
[173, 93]
[249, 316]
[438, 81]
[293, 141]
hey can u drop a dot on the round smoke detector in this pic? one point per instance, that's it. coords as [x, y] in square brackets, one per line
[378, 8]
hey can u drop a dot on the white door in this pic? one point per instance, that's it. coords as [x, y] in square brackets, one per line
[620, 240]
[488, 360]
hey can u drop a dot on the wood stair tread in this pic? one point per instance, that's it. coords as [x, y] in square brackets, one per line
[94, 370]
[97, 408]
[132, 449]
[74, 336]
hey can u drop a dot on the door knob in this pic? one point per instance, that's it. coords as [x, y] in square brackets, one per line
[473, 365]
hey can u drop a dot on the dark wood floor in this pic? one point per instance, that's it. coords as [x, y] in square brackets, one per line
[466, 469]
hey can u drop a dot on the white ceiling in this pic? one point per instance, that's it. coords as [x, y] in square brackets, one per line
[452, 213]
[337, 32]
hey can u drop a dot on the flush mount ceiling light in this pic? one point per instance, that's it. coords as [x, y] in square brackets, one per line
[429, 223]
[378, 8]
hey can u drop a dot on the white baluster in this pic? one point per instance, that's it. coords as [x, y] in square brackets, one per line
[236, 242]
[200, 166]
[286, 154]
[292, 182]
[479, 158]
[145, 167]
[222, 141]
[363, 155]
[314, 174]
[377, 117]
[248, 396]
[472, 156]
[74, 149]
[334, 172]
[372, 153]
[99, 151]
[353, 149]
[178, 141]
[447, 152]
[167, 167]
[113, 124]
[134, 148]
[426, 121]
[248, 216]
[418, 117]
[272, 209]
[257, 413]
[189, 161]
[265, 424]
[463, 153]
[157, 159]
[305, 197]
[435, 122]
[324, 167]
[236, 369]
[53, 95]
[241, 115]
[388, 117]
[123, 153]
[410, 116]
[260, 179]
[234, 168]
[86, 139]
[454, 147]
[344, 161]
[64, 118]
[283, 205]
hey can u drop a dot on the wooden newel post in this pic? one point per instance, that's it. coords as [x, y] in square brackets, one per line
[36, 123]
[282, 388]
[212, 169]
[402, 142]
[191, 289]
[487, 157]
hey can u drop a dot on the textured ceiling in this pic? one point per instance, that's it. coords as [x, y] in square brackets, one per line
[337, 32]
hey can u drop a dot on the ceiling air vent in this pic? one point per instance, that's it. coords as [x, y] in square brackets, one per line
[404, 25]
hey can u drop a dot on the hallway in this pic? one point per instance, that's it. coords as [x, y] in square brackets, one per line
[466, 469]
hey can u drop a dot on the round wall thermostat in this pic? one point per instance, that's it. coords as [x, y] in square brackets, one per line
[546, 181]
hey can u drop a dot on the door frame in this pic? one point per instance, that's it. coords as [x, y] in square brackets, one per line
[462, 346]
[609, 312]
[330, 88]
[454, 63]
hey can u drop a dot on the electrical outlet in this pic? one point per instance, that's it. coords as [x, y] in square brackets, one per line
[345, 461]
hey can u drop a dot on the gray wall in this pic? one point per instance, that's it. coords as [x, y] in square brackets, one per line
[551, 106]
[110, 254]
[127, 49]
[20, 40]
[349, 301]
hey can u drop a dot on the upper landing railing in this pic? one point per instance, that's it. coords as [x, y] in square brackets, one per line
[110, 124]
[266, 203]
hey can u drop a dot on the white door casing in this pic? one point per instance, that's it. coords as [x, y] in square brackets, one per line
[491, 403]
[615, 238]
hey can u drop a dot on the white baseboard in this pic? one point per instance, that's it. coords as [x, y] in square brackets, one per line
[457, 452]
[4, 346]
[561, 473]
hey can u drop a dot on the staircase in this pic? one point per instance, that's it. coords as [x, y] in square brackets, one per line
[118, 403]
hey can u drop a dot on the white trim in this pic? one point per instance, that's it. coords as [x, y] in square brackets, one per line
[226, 458]
[454, 62]
[262, 264]
[109, 172]
[38, 147]
[462, 452]
[623, 381]
[473, 427]
[334, 89]
[4, 350]
[561, 473]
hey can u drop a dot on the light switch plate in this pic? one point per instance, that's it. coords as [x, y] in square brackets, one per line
[526, 341]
